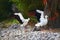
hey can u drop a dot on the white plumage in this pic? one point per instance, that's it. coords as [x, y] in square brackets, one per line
[25, 21]
[43, 20]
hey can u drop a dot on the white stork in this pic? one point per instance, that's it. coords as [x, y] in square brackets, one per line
[25, 21]
[43, 20]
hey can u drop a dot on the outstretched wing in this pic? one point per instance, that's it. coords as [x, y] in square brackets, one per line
[20, 16]
[41, 12]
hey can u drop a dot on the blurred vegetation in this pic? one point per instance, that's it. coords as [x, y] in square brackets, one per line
[4, 9]
[8, 22]
[23, 5]
[26, 5]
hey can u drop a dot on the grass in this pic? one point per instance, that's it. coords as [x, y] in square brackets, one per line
[6, 23]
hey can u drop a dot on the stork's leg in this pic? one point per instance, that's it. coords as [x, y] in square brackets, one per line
[45, 27]
[36, 29]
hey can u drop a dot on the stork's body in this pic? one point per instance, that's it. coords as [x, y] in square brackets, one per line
[43, 20]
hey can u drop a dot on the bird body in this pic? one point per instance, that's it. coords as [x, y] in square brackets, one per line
[43, 20]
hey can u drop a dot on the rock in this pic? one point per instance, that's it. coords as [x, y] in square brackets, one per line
[14, 26]
[17, 34]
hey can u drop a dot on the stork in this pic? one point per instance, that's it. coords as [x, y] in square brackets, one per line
[25, 21]
[43, 20]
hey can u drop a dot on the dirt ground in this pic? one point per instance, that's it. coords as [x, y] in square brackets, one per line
[51, 30]
[46, 29]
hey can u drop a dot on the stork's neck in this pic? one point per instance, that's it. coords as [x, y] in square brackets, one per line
[46, 17]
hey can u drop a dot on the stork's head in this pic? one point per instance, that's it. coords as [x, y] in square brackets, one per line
[28, 18]
[46, 16]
